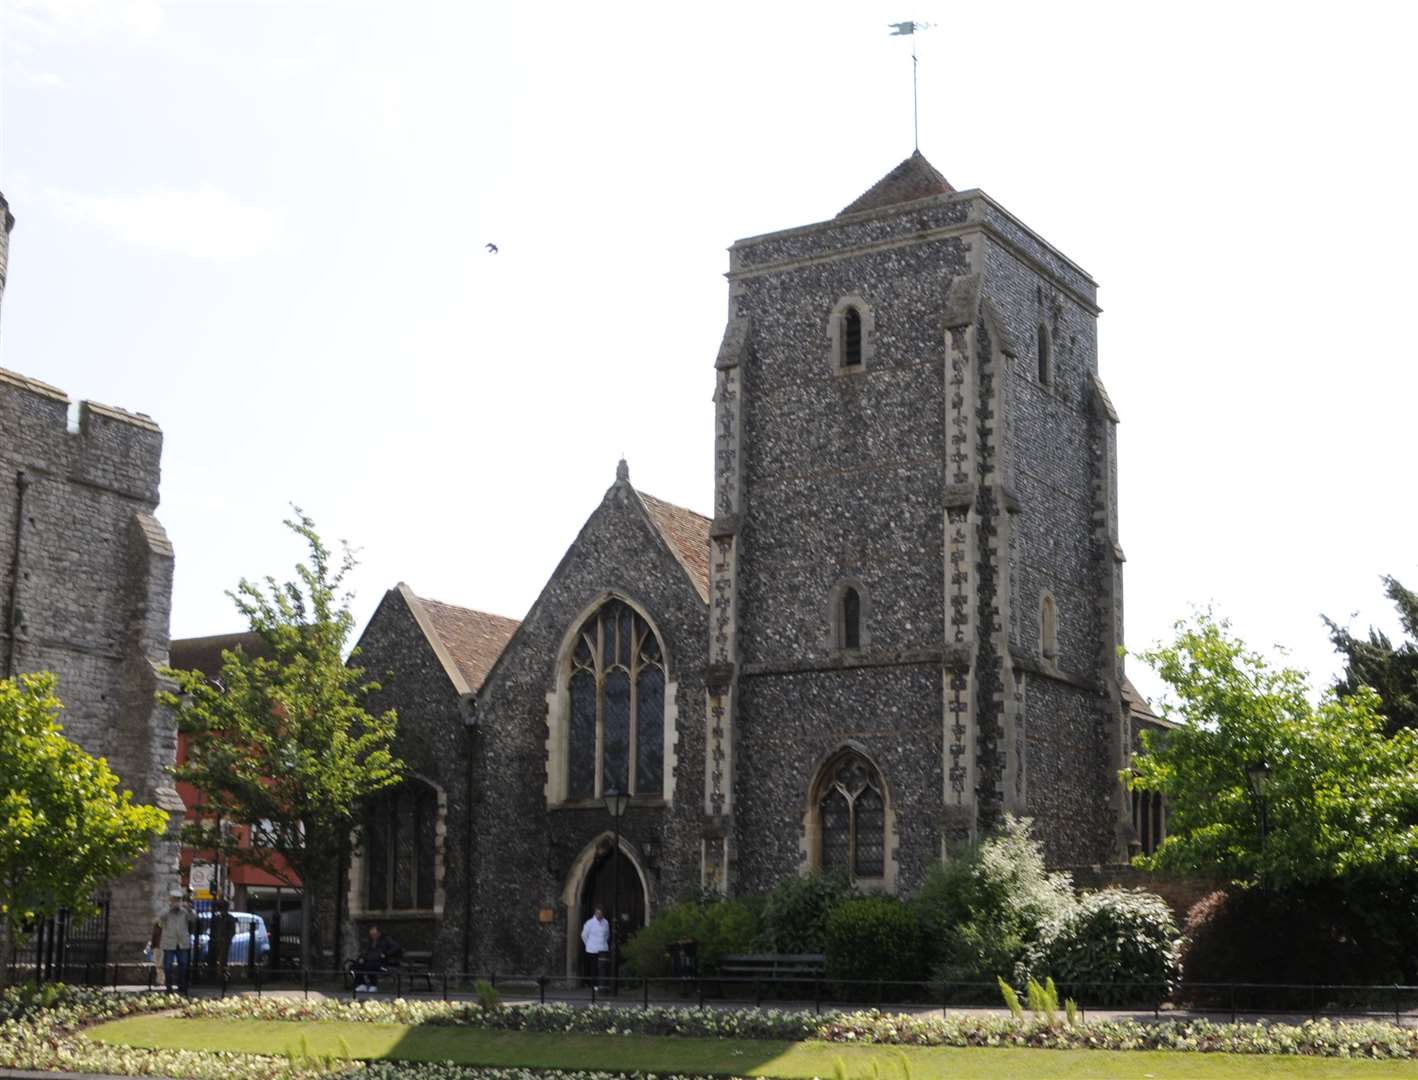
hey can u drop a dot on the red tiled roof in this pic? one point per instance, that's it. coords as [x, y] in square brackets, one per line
[915, 178]
[687, 533]
[473, 639]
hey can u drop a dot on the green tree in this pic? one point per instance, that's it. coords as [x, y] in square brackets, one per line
[282, 742]
[1390, 670]
[1340, 803]
[65, 828]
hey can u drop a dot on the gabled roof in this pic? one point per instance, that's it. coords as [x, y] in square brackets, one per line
[1140, 709]
[915, 178]
[467, 642]
[687, 535]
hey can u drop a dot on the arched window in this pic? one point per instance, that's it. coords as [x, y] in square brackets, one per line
[851, 807]
[851, 338]
[850, 329]
[617, 730]
[1149, 820]
[1048, 628]
[1046, 357]
[851, 618]
[401, 834]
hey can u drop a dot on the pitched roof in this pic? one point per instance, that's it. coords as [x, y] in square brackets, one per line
[687, 534]
[915, 178]
[467, 642]
[204, 654]
[1140, 709]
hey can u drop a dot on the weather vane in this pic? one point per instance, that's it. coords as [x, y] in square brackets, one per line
[911, 28]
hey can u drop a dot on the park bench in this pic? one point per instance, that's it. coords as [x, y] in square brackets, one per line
[774, 968]
[415, 964]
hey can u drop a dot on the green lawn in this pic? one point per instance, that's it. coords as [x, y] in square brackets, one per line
[722, 1057]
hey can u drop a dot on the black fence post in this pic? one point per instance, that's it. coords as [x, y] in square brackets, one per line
[645, 996]
[593, 991]
[445, 986]
[541, 989]
[1233, 1003]
[816, 996]
[305, 982]
[700, 984]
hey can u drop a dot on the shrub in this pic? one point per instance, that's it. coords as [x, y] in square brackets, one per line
[793, 917]
[979, 912]
[1112, 937]
[873, 937]
[1302, 937]
[720, 928]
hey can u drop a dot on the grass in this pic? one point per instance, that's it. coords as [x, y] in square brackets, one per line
[718, 1057]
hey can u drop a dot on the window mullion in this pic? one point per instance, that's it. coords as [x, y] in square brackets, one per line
[600, 703]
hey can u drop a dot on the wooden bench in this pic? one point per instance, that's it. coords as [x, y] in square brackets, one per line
[415, 964]
[774, 967]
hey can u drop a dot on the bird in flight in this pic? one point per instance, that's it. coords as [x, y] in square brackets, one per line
[492, 249]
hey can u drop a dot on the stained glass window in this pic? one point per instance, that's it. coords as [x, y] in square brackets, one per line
[616, 730]
[852, 812]
[401, 834]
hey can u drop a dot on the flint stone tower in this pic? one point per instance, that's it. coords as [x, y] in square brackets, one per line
[916, 593]
[87, 593]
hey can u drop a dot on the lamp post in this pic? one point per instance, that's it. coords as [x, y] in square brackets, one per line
[616, 802]
[1258, 775]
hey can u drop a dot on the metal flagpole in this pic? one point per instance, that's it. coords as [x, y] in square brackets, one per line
[903, 29]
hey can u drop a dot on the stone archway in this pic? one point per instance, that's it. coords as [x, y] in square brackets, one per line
[593, 879]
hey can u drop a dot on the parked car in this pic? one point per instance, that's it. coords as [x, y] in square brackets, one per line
[240, 950]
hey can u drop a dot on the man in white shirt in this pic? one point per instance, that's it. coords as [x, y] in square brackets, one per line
[173, 931]
[596, 937]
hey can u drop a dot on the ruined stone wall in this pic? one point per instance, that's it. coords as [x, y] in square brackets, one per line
[88, 583]
[527, 853]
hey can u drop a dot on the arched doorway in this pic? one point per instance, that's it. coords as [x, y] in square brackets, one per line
[612, 881]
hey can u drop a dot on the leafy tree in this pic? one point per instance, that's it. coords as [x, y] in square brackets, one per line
[282, 742]
[65, 828]
[1340, 802]
[795, 913]
[1392, 671]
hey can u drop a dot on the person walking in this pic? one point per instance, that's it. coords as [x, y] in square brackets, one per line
[174, 934]
[219, 938]
[596, 937]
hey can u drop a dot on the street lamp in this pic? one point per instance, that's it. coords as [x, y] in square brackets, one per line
[616, 802]
[1258, 774]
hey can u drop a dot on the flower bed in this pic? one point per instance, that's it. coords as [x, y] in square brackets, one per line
[44, 1034]
[1371, 1039]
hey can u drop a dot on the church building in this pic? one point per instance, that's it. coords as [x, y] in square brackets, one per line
[900, 622]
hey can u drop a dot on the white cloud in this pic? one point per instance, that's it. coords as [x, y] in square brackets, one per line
[204, 224]
[138, 19]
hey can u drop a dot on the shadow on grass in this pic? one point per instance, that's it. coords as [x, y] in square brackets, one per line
[716, 1057]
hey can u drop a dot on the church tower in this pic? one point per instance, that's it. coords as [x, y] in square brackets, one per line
[916, 583]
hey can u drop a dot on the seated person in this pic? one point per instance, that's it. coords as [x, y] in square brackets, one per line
[382, 953]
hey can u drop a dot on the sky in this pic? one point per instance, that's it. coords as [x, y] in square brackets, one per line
[263, 224]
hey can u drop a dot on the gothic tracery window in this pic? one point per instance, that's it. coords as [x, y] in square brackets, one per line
[617, 734]
[400, 838]
[851, 807]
